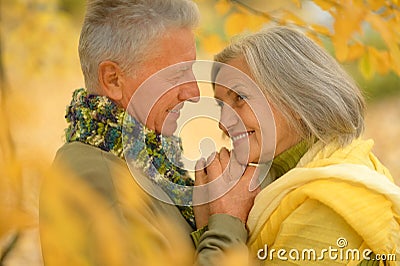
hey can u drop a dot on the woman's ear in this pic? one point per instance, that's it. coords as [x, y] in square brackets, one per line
[111, 80]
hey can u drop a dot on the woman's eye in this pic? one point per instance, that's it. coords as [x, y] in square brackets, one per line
[241, 97]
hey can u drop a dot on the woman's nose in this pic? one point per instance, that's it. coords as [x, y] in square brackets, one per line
[228, 118]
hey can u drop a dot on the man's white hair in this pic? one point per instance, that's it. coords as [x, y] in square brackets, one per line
[124, 31]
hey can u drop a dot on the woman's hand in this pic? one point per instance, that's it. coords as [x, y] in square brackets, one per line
[238, 201]
[224, 171]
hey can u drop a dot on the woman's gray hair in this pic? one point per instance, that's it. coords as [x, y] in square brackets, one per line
[316, 96]
[123, 31]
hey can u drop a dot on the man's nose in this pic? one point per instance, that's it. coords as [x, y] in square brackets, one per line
[190, 90]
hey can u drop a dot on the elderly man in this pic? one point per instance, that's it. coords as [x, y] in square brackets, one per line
[122, 44]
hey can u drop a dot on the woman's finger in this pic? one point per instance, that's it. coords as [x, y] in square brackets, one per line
[236, 170]
[214, 169]
[224, 157]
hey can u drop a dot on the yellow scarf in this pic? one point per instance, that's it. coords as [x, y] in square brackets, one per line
[346, 188]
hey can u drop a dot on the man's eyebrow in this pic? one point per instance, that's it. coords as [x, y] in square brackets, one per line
[183, 68]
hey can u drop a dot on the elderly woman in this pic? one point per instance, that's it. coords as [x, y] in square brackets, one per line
[327, 198]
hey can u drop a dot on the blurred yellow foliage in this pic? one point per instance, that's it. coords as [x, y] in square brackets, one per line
[350, 21]
[11, 208]
[355, 51]
[366, 66]
[222, 7]
[235, 23]
[14, 216]
[346, 23]
[320, 29]
[212, 43]
[349, 16]
[290, 17]
[380, 59]
[323, 4]
[297, 3]
[40, 38]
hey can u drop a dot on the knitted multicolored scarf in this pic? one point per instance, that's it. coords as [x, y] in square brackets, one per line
[98, 121]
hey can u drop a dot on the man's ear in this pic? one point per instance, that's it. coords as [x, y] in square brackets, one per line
[111, 80]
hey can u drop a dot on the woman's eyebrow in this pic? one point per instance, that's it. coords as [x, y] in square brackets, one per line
[236, 89]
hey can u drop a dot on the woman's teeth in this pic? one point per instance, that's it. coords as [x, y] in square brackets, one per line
[241, 136]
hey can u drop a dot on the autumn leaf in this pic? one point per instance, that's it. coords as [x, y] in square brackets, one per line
[366, 66]
[380, 59]
[320, 29]
[355, 52]
[389, 36]
[341, 48]
[380, 26]
[347, 22]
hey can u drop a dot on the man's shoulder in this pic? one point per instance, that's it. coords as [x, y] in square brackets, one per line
[91, 164]
[81, 157]
[78, 151]
[110, 175]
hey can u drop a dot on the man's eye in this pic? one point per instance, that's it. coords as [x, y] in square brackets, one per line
[220, 104]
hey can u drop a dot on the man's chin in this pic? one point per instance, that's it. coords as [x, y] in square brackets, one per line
[168, 129]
